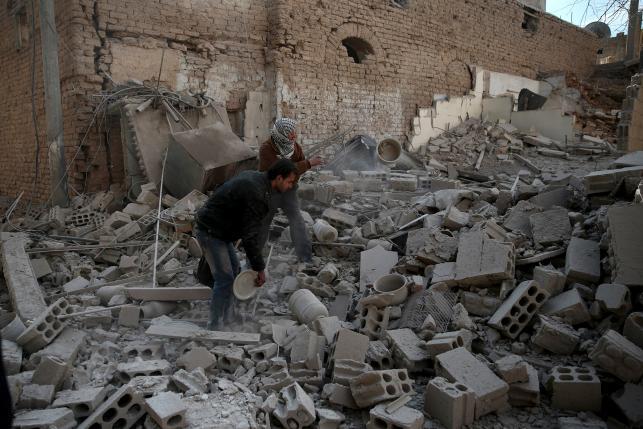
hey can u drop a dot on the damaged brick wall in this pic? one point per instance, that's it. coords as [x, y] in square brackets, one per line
[295, 50]
[17, 135]
[411, 54]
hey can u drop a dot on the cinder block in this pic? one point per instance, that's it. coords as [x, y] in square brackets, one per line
[557, 337]
[11, 357]
[583, 261]
[45, 328]
[483, 261]
[618, 356]
[402, 418]
[198, 357]
[629, 400]
[443, 342]
[373, 321]
[59, 418]
[439, 183]
[569, 306]
[129, 316]
[120, 410]
[135, 210]
[455, 219]
[297, 409]
[263, 352]
[229, 358]
[82, 402]
[377, 386]
[614, 298]
[76, 284]
[479, 305]
[633, 328]
[126, 232]
[407, 184]
[551, 226]
[575, 388]
[339, 395]
[194, 381]
[512, 369]
[329, 419]
[144, 350]
[51, 371]
[344, 370]
[407, 349]
[36, 396]
[517, 310]
[127, 371]
[65, 347]
[550, 279]
[328, 327]
[117, 220]
[459, 365]
[526, 394]
[167, 410]
[453, 404]
[306, 376]
[350, 345]
[339, 219]
[41, 267]
[379, 356]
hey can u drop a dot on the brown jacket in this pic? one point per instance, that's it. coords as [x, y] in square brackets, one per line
[268, 155]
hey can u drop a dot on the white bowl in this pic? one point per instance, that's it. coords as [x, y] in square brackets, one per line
[244, 286]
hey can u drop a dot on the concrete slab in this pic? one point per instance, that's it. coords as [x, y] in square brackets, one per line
[24, 291]
[629, 400]
[483, 261]
[60, 418]
[461, 366]
[549, 123]
[550, 227]
[375, 263]
[170, 293]
[583, 261]
[626, 236]
[190, 331]
[604, 181]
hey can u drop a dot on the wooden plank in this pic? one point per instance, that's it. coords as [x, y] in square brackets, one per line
[188, 331]
[198, 293]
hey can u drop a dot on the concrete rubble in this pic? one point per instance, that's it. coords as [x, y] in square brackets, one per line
[512, 270]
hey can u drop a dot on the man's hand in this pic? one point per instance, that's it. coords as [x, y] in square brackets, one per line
[315, 161]
[261, 278]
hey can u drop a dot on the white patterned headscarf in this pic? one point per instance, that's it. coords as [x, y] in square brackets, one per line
[280, 131]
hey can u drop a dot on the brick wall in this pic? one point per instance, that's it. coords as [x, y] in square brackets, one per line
[418, 52]
[290, 48]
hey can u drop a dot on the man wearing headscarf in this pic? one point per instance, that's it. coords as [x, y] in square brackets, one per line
[282, 144]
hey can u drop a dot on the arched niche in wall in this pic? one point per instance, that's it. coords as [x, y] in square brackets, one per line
[459, 77]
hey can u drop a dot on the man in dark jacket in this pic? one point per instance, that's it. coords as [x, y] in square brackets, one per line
[283, 145]
[236, 211]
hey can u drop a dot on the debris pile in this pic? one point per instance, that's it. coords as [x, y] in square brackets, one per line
[451, 292]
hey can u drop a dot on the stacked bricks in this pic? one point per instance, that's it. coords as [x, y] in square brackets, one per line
[514, 314]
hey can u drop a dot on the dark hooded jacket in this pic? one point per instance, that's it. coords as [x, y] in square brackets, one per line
[236, 210]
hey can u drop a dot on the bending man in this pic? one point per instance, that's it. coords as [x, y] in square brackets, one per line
[236, 211]
[282, 145]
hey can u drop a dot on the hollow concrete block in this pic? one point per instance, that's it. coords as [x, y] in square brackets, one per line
[377, 386]
[633, 328]
[297, 409]
[122, 409]
[452, 404]
[402, 418]
[575, 388]
[59, 418]
[518, 309]
[618, 356]
[167, 410]
[555, 336]
[46, 327]
[82, 402]
[569, 306]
